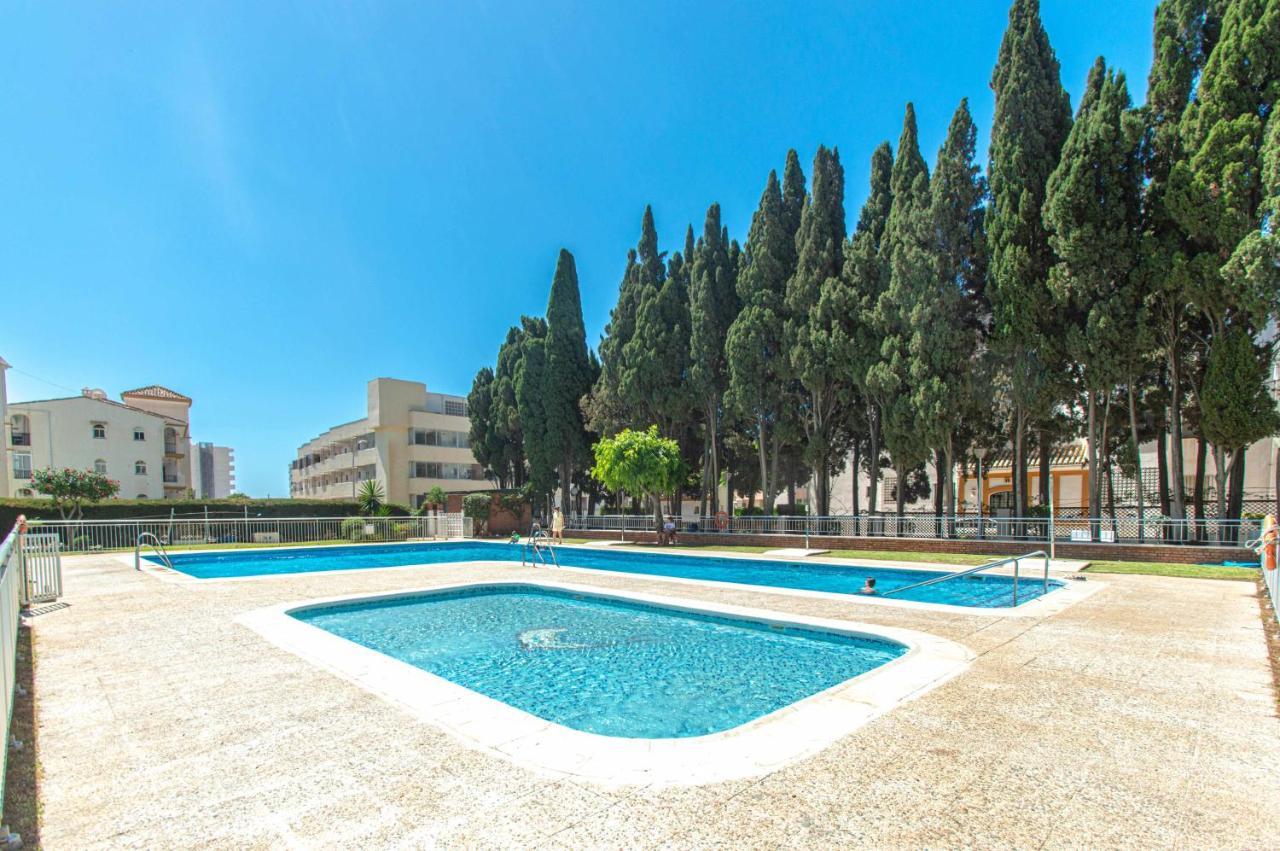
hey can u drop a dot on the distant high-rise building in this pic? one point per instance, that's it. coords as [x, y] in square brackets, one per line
[213, 471]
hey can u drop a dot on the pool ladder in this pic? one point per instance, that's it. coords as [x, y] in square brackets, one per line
[155, 544]
[538, 545]
[1014, 560]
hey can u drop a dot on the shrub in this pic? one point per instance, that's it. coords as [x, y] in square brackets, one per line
[353, 528]
[477, 506]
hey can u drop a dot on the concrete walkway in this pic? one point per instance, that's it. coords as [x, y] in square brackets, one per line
[1141, 715]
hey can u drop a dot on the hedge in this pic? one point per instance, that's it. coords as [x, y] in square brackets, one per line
[139, 509]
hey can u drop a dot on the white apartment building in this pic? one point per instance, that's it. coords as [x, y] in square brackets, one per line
[410, 442]
[141, 442]
[5, 464]
[213, 471]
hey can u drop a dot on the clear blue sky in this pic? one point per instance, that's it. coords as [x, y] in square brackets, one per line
[263, 205]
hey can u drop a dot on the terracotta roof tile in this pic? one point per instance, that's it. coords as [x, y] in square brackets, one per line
[156, 391]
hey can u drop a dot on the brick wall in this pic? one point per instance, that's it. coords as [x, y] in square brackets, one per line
[1098, 551]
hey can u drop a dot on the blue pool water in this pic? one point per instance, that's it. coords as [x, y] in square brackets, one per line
[979, 591]
[605, 666]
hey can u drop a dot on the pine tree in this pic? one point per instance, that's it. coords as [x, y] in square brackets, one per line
[945, 340]
[867, 275]
[1031, 121]
[817, 302]
[1092, 212]
[904, 251]
[568, 373]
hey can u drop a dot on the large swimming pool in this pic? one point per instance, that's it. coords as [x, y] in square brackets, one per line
[980, 591]
[604, 665]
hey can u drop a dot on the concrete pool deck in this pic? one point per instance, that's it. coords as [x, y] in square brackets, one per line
[1140, 715]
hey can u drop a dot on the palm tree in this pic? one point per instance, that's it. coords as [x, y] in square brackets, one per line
[370, 497]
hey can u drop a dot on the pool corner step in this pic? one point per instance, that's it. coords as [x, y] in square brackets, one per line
[795, 552]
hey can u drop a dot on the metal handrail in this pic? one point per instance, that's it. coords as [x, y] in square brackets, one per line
[158, 546]
[536, 545]
[968, 571]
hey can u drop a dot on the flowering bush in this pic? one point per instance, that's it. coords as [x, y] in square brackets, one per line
[71, 489]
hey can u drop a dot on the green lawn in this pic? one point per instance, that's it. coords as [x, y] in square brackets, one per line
[1191, 571]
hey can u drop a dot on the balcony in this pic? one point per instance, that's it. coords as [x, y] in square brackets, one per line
[21, 438]
[170, 478]
[22, 474]
[172, 449]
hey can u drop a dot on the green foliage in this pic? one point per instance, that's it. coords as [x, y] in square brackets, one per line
[531, 378]
[353, 528]
[1236, 408]
[817, 303]
[639, 462]
[71, 489]
[477, 506]
[568, 375]
[370, 496]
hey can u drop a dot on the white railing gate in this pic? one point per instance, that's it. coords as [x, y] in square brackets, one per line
[41, 568]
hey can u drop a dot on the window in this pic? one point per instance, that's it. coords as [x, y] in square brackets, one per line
[99, 431]
[142, 496]
[21, 465]
[139, 434]
[455, 407]
[100, 467]
[21, 430]
[139, 468]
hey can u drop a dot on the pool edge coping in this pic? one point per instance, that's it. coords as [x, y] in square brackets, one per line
[1056, 600]
[758, 747]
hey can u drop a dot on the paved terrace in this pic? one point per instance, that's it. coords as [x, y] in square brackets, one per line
[1142, 715]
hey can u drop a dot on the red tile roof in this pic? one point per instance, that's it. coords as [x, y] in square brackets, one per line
[155, 391]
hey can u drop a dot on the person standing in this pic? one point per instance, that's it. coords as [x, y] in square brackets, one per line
[557, 525]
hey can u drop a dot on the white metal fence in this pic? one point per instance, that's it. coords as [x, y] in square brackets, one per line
[1127, 530]
[10, 598]
[41, 568]
[81, 536]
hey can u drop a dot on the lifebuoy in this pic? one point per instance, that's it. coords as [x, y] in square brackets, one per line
[1269, 542]
[722, 520]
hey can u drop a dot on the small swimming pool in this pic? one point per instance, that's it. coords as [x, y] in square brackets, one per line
[981, 591]
[604, 665]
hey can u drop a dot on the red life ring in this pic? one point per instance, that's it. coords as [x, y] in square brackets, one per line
[722, 520]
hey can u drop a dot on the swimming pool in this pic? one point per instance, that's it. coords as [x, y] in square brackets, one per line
[604, 665]
[981, 591]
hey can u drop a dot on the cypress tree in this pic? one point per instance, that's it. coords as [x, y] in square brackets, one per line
[713, 305]
[904, 252]
[530, 382]
[1092, 213]
[568, 373]
[867, 276]
[481, 435]
[756, 359]
[1185, 32]
[817, 303]
[1031, 121]
[505, 416]
[945, 341]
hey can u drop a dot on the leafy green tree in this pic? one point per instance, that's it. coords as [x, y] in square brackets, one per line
[867, 275]
[1092, 213]
[506, 433]
[478, 506]
[905, 251]
[945, 341]
[71, 489]
[568, 373]
[817, 301]
[713, 305]
[485, 441]
[758, 367]
[639, 462]
[370, 497]
[1031, 121]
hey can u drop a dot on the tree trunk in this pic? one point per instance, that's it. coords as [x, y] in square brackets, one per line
[1179, 504]
[855, 462]
[902, 495]
[1198, 487]
[713, 426]
[1106, 459]
[1235, 487]
[873, 463]
[1046, 469]
[949, 485]
[1162, 468]
[1137, 462]
[1091, 452]
[762, 451]
[1220, 482]
[771, 495]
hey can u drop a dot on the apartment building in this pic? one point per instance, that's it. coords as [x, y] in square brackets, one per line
[213, 471]
[410, 442]
[142, 441]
